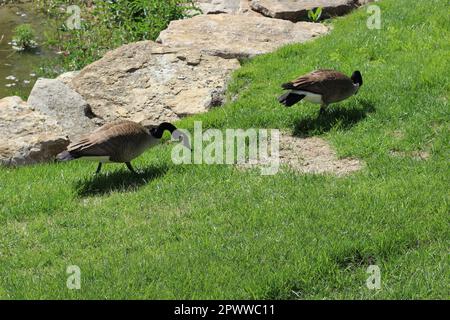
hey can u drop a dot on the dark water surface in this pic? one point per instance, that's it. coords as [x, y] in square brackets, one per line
[17, 69]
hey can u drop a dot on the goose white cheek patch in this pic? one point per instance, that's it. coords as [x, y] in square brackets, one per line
[182, 136]
[181, 153]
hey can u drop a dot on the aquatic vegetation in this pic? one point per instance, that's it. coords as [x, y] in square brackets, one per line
[106, 25]
[24, 38]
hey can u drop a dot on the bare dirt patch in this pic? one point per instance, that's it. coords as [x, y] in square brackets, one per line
[314, 155]
[311, 155]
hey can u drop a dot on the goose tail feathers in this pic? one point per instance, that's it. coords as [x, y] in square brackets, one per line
[290, 98]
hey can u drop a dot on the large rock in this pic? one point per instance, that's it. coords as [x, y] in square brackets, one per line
[150, 83]
[225, 6]
[237, 36]
[54, 98]
[297, 10]
[27, 136]
[67, 76]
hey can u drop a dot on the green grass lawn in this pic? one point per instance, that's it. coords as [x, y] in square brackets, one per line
[202, 231]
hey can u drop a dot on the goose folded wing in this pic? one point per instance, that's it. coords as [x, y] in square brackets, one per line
[108, 140]
[101, 144]
[317, 81]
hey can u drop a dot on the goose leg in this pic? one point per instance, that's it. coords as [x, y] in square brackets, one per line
[322, 108]
[99, 168]
[130, 167]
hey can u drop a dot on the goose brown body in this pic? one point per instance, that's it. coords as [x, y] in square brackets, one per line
[332, 85]
[322, 87]
[119, 141]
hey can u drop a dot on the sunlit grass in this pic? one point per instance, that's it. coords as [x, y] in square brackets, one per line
[218, 232]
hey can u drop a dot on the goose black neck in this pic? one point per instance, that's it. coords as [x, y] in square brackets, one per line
[163, 127]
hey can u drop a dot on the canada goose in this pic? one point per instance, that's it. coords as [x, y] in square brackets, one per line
[321, 87]
[120, 141]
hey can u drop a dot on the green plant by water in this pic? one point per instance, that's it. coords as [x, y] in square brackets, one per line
[24, 38]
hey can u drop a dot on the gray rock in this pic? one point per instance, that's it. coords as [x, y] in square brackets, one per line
[150, 83]
[27, 136]
[297, 10]
[54, 98]
[237, 36]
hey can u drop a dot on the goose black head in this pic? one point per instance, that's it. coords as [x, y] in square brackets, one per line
[357, 78]
[176, 134]
[157, 132]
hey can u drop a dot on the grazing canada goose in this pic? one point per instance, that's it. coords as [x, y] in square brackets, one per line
[120, 141]
[321, 87]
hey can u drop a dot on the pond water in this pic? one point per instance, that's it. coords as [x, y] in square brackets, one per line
[17, 69]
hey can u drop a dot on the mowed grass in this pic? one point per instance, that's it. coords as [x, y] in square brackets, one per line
[203, 231]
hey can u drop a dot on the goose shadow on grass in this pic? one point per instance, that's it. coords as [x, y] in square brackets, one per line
[334, 117]
[118, 181]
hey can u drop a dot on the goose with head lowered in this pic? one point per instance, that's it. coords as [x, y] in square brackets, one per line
[120, 141]
[321, 87]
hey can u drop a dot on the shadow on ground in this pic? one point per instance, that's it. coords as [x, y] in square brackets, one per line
[335, 117]
[118, 181]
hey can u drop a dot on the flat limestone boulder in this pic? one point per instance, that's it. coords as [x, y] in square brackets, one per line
[150, 83]
[27, 136]
[237, 36]
[54, 98]
[225, 6]
[297, 10]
